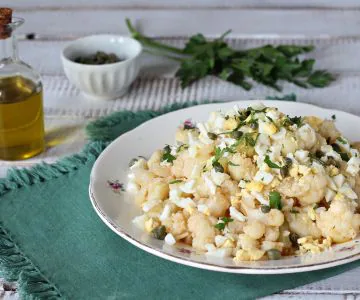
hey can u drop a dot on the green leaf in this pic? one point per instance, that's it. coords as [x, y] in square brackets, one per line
[341, 140]
[221, 225]
[230, 163]
[270, 163]
[175, 181]
[320, 78]
[292, 50]
[167, 156]
[191, 70]
[226, 73]
[225, 53]
[306, 68]
[275, 200]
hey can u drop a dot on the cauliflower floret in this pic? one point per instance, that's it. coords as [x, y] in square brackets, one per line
[272, 234]
[158, 189]
[142, 177]
[301, 224]
[217, 204]
[183, 165]
[274, 218]
[245, 169]
[176, 224]
[155, 166]
[329, 131]
[309, 189]
[202, 230]
[254, 229]
[246, 242]
[339, 222]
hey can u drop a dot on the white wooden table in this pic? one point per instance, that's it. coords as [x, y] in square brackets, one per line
[332, 26]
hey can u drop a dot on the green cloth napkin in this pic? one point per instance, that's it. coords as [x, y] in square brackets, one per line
[56, 247]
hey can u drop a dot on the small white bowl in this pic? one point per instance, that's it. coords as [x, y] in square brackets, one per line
[107, 81]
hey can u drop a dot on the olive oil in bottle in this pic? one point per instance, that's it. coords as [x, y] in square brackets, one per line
[21, 118]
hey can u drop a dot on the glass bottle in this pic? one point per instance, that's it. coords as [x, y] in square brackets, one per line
[21, 104]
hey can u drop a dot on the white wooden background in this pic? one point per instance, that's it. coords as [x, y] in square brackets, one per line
[332, 26]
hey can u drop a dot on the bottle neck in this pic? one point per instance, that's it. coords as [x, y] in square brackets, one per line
[8, 49]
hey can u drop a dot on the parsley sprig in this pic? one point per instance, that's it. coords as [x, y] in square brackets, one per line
[223, 222]
[167, 156]
[265, 65]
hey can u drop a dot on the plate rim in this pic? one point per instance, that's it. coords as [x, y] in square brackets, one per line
[205, 265]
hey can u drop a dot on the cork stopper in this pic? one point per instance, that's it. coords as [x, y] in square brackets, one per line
[5, 19]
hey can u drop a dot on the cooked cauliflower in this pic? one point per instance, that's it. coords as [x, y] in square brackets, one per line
[252, 184]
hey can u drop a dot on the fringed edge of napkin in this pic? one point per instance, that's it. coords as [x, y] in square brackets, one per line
[14, 264]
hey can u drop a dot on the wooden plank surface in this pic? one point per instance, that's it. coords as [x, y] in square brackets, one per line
[183, 22]
[204, 4]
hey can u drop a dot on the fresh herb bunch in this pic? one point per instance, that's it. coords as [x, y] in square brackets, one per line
[266, 65]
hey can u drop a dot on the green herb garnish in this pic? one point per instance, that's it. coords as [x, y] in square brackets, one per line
[159, 232]
[175, 181]
[333, 117]
[230, 163]
[344, 156]
[289, 121]
[275, 200]
[182, 147]
[265, 65]
[270, 163]
[222, 224]
[167, 156]
[341, 140]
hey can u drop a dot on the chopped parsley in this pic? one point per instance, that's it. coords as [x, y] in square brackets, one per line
[315, 157]
[270, 163]
[230, 163]
[167, 156]
[333, 117]
[223, 221]
[344, 156]
[249, 139]
[175, 181]
[341, 140]
[275, 200]
[288, 121]
[182, 147]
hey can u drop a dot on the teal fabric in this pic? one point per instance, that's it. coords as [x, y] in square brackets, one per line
[53, 243]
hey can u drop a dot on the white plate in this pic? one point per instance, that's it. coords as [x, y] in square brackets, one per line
[117, 209]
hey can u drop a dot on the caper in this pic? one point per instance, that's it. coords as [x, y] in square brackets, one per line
[288, 161]
[132, 162]
[218, 167]
[236, 134]
[265, 209]
[336, 147]
[212, 136]
[274, 254]
[159, 232]
[319, 154]
[293, 238]
[254, 125]
[284, 171]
